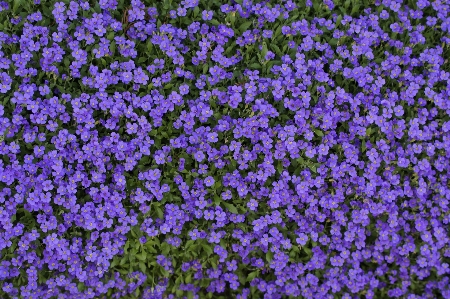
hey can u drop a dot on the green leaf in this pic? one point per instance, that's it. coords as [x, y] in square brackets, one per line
[123, 261]
[217, 185]
[277, 33]
[214, 22]
[142, 256]
[231, 208]
[229, 49]
[17, 4]
[149, 47]
[217, 199]
[114, 263]
[112, 47]
[165, 248]
[244, 26]
[355, 9]
[196, 11]
[207, 249]
[319, 133]
[333, 42]
[264, 50]
[280, 167]
[338, 20]
[142, 267]
[363, 146]
[159, 212]
[276, 49]
[127, 245]
[232, 18]
[252, 275]
[307, 251]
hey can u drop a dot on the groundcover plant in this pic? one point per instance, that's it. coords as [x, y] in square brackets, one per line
[224, 149]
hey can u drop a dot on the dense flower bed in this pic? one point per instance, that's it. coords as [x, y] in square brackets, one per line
[224, 149]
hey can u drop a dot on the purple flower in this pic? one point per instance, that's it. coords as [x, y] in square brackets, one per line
[199, 156]
[207, 15]
[209, 181]
[302, 239]
[160, 159]
[212, 137]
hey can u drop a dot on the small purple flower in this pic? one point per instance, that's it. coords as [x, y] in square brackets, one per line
[160, 159]
[207, 15]
[209, 181]
[184, 89]
[302, 239]
[47, 185]
[252, 204]
[199, 156]
[212, 137]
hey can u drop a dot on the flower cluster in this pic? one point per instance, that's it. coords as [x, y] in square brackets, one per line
[224, 149]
